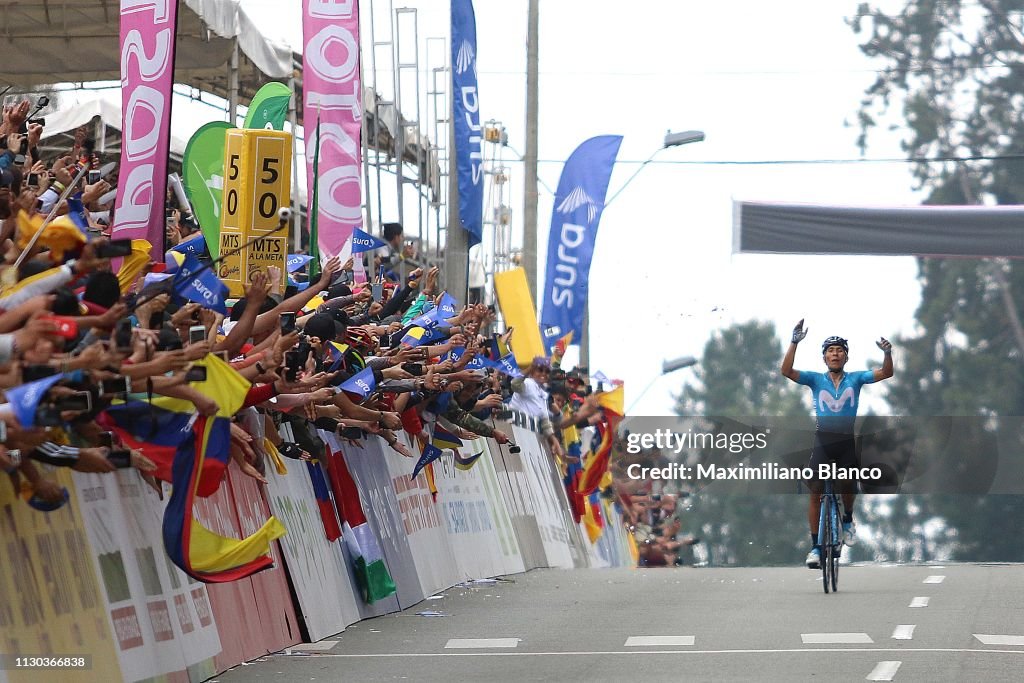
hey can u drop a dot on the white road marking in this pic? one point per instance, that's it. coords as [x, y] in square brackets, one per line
[903, 632]
[935, 579]
[321, 646]
[884, 671]
[647, 653]
[999, 640]
[833, 638]
[919, 602]
[661, 641]
[465, 643]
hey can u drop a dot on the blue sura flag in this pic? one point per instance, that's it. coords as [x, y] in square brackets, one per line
[204, 288]
[466, 110]
[578, 206]
[364, 241]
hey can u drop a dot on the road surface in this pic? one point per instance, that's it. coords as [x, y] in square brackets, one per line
[955, 622]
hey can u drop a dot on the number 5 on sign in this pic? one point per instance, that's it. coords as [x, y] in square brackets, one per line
[257, 182]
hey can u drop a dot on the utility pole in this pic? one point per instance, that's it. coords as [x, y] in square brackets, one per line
[530, 158]
[456, 249]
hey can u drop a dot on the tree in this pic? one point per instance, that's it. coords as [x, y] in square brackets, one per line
[957, 70]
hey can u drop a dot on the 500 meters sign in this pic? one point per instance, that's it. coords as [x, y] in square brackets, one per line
[257, 182]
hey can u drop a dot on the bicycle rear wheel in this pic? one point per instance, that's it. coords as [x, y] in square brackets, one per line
[833, 569]
[837, 544]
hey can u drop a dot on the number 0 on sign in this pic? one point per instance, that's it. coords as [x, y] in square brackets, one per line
[257, 182]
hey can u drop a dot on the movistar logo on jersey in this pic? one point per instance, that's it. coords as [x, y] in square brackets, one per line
[577, 198]
[466, 57]
[835, 405]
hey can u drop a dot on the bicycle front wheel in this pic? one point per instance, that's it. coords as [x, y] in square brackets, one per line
[825, 539]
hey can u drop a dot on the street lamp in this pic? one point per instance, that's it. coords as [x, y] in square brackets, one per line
[671, 140]
[667, 366]
[683, 138]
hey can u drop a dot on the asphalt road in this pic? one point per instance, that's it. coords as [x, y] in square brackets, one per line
[760, 624]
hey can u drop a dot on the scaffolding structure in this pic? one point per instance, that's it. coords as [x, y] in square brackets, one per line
[405, 89]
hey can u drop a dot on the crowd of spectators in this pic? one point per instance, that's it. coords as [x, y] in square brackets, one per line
[101, 332]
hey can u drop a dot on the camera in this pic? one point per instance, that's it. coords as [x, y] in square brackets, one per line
[31, 373]
[80, 401]
[112, 387]
[196, 373]
[114, 248]
[123, 334]
[196, 334]
[120, 458]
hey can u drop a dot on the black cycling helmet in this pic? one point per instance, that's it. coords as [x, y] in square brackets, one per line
[834, 341]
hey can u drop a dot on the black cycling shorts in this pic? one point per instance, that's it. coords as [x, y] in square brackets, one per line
[838, 449]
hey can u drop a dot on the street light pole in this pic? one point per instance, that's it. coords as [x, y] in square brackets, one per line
[671, 140]
[530, 158]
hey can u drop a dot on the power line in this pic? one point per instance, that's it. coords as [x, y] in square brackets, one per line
[794, 162]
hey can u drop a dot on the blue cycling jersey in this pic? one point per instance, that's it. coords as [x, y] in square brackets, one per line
[836, 407]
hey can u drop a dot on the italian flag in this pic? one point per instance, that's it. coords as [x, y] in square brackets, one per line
[368, 561]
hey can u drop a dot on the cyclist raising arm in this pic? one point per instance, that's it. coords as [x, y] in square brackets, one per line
[836, 396]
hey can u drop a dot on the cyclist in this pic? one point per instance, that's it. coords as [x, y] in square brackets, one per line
[835, 394]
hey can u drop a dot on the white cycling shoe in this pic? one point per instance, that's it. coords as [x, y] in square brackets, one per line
[850, 534]
[814, 559]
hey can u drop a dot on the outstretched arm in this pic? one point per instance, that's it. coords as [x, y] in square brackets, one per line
[787, 362]
[886, 370]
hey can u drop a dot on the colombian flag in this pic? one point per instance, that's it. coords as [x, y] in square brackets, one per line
[334, 353]
[561, 344]
[442, 438]
[597, 464]
[593, 520]
[414, 337]
[199, 552]
[467, 463]
[161, 428]
[323, 501]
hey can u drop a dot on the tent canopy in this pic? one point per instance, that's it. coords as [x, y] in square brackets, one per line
[79, 40]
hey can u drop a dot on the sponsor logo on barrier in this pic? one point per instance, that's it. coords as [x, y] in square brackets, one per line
[126, 627]
[202, 604]
[184, 617]
[160, 620]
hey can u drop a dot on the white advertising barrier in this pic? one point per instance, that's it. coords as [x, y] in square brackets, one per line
[419, 517]
[327, 596]
[162, 621]
[380, 505]
[480, 532]
[548, 502]
[514, 486]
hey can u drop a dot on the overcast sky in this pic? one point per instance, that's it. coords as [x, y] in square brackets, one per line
[765, 81]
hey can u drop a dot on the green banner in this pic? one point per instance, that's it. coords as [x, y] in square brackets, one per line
[202, 173]
[269, 107]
